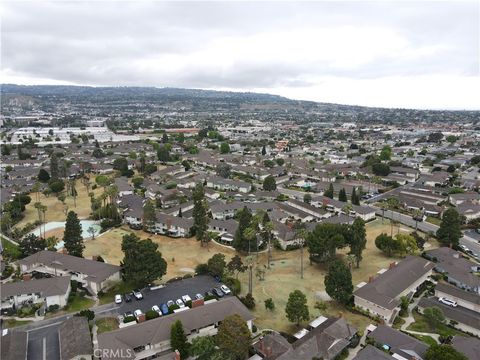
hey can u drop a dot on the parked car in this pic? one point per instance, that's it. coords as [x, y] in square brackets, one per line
[186, 298]
[170, 303]
[118, 299]
[198, 296]
[217, 292]
[157, 309]
[127, 314]
[135, 226]
[127, 298]
[137, 313]
[138, 294]
[225, 289]
[448, 302]
[180, 303]
[164, 309]
[216, 277]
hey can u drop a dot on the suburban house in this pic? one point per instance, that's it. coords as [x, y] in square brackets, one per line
[150, 338]
[468, 346]
[173, 226]
[218, 183]
[50, 291]
[397, 343]
[75, 340]
[124, 188]
[366, 213]
[94, 275]
[465, 299]
[324, 338]
[307, 208]
[370, 352]
[381, 295]
[458, 271]
[225, 228]
[14, 345]
[462, 198]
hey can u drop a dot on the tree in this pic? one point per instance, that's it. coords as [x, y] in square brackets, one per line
[329, 192]
[406, 244]
[234, 337]
[56, 185]
[269, 304]
[72, 237]
[98, 153]
[434, 316]
[297, 309]
[385, 243]
[386, 153]
[224, 148]
[307, 198]
[324, 240]
[240, 241]
[338, 282]
[223, 170]
[449, 232]
[342, 195]
[31, 244]
[200, 214]
[142, 262]
[236, 266]
[355, 199]
[216, 264]
[149, 217]
[178, 339]
[137, 181]
[269, 183]
[248, 301]
[381, 169]
[54, 166]
[43, 176]
[264, 151]
[203, 347]
[358, 240]
[163, 154]
[91, 230]
[435, 137]
[443, 352]
[150, 169]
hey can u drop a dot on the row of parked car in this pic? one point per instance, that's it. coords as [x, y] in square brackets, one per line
[470, 252]
[137, 294]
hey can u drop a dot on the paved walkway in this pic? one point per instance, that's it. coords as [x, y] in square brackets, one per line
[410, 319]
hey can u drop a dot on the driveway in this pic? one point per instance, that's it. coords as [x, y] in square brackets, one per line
[172, 291]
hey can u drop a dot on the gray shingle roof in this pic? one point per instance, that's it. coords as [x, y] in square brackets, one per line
[398, 342]
[47, 287]
[74, 338]
[14, 345]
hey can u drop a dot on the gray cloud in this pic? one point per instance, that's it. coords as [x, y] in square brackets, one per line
[237, 45]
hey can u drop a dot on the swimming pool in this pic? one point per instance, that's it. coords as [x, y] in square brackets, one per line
[86, 224]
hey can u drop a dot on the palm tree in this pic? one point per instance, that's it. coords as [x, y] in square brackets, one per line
[392, 204]
[249, 260]
[383, 206]
[417, 213]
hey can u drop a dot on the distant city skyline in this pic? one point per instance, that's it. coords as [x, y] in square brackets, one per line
[422, 54]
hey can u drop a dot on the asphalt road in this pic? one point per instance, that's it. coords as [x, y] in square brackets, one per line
[459, 314]
[172, 291]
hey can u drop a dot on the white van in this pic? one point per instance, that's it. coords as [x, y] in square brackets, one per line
[448, 302]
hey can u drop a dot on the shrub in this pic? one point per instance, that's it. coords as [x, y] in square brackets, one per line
[234, 285]
[53, 308]
[254, 328]
[248, 301]
[201, 269]
[89, 314]
[151, 314]
[269, 304]
[187, 276]
[129, 319]
[173, 307]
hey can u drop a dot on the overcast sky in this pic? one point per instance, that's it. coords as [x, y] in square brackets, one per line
[396, 54]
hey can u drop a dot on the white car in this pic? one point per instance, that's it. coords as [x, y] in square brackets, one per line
[137, 313]
[118, 299]
[225, 289]
[138, 295]
[180, 303]
[157, 309]
[186, 298]
[448, 302]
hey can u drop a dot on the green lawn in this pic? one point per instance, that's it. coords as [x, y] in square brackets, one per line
[433, 220]
[10, 250]
[421, 325]
[78, 303]
[106, 324]
[426, 339]
[398, 322]
[119, 288]
[11, 323]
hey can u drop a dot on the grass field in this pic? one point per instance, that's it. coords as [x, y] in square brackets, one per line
[11, 323]
[422, 325]
[106, 324]
[183, 255]
[55, 208]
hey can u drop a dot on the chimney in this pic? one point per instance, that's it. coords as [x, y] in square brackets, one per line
[370, 279]
[392, 265]
[26, 277]
[177, 355]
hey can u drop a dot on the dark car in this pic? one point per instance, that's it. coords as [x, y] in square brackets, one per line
[127, 298]
[164, 309]
[216, 277]
[127, 314]
[218, 292]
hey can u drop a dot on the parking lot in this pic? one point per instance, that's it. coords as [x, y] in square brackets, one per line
[172, 291]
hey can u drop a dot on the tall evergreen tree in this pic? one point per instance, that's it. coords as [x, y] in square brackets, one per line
[149, 217]
[200, 214]
[72, 236]
[355, 199]
[338, 282]
[342, 195]
[297, 308]
[233, 337]
[329, 192]
[269, 183]
[240, 241]
[358, 239]
[264, 151]
[178, 339]
[449, 232]
[54, 172]
[32, 244]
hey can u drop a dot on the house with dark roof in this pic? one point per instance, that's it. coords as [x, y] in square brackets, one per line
[325, 338]
[381, 295]
[94, 275]
[219, 183]
[50, 291]
[468, 346]
[370, 352]
[14, 345]
[465, 299]
[173, 226]
[459, 271]
[74, 339]
[151, 338]
[401, 345]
